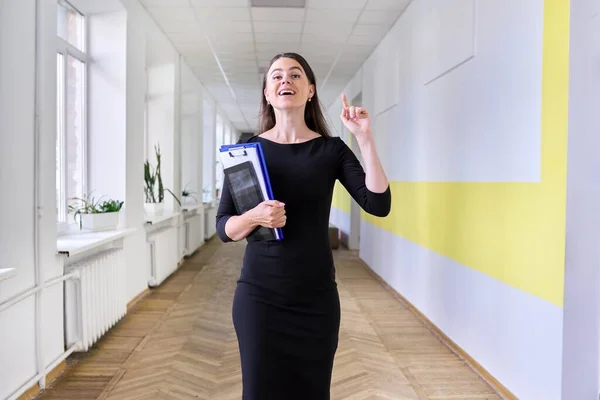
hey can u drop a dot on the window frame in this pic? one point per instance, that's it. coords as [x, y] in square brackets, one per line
[66, 49]
[219, 140]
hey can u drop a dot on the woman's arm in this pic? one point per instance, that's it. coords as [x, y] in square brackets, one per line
[238, 227]
[270, 214]
[232, 227]
[225, 213]
[370, 189]
[375, 179]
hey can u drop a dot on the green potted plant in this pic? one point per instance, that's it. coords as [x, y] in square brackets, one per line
[153, 187]
[96, 214]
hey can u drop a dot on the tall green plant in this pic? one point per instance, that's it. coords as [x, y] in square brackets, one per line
[153, 188]
[150, 181]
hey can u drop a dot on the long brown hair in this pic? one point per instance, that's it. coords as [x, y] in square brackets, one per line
[313, 113]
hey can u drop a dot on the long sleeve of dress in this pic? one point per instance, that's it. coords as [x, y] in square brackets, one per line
[352, 176]
[226, 210]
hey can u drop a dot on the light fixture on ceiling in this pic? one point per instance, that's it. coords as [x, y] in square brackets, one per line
[278, 3]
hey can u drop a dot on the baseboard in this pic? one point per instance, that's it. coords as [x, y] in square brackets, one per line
[137, 298]
[34, 391]
[456, 349]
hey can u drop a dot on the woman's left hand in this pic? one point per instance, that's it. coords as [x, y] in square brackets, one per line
[356, 119]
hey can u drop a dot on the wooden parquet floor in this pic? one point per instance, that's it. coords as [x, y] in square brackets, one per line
[178, 343]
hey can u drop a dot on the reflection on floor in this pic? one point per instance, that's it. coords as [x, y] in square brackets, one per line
[179, 343]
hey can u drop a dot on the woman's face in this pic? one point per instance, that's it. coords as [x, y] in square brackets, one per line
[287, 85]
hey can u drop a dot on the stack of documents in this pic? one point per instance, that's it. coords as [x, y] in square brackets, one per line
[248, 180]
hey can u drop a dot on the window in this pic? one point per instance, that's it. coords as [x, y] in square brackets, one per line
[208, 152]
[228, 134]
[219, 167]
[71, 150]
[60, 112]
[71, 25]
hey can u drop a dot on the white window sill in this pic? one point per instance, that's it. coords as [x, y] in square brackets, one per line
[78, 243]
[6, 273]
[192, 207]
[66, 228]
[208, 206]
[157, 219]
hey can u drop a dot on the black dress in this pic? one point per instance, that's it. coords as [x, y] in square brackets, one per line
[286, 309]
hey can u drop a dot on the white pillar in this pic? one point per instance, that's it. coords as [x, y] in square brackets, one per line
[581, 340]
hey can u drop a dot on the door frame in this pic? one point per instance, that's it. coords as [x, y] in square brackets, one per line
[355, 209]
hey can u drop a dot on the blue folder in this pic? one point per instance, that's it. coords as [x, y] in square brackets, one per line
[246, 171]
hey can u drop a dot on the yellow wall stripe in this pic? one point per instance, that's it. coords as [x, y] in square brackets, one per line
[514, 232]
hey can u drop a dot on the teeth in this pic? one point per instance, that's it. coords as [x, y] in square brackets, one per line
[286, 92]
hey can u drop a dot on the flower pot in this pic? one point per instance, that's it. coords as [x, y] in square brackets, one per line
[100, 222]
[188, 201]
[154, 208]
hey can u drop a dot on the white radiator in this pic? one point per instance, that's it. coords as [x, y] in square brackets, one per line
[194, 233]
[163, 246]
[210, 216]
[181, 239]
[97, 301]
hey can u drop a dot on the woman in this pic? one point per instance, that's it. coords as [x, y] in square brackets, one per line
[286, 309]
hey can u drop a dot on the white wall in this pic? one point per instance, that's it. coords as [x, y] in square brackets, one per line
[209, 145]
[581, 341]
[51, 304]
[161, 122]
[17, 45]
[138, 271]
[464, 100]
[119, 76]
[340, 213]
[454, 91]
[192, 137]
[18, 165]
[107, 110]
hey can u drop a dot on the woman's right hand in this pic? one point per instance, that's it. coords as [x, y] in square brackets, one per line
[269, 213]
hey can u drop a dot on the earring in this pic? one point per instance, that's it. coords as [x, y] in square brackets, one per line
[310, 98]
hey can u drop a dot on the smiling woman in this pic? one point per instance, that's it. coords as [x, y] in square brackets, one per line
[298, 88]
[286, 309]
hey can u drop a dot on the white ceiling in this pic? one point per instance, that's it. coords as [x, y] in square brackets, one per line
[228, 43]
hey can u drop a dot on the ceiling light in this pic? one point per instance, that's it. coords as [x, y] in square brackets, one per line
[279, 3]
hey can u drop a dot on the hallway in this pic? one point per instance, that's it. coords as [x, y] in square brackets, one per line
[178, 343]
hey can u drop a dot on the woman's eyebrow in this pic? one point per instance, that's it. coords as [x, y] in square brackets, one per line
[279, 69]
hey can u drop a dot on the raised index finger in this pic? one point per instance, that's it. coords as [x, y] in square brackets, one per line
[344, 100]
